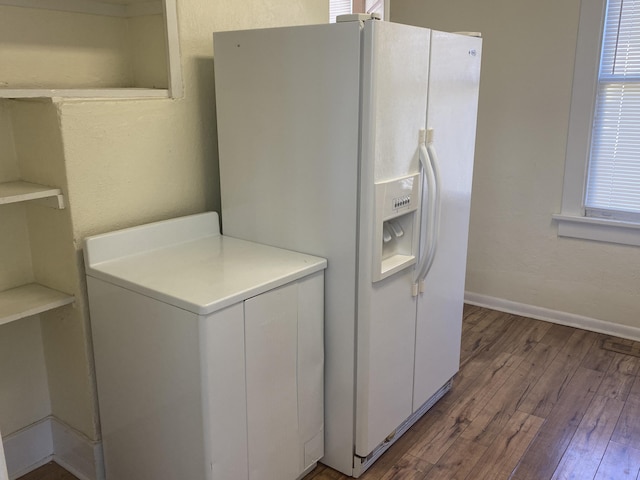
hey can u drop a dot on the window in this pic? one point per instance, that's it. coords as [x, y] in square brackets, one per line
[601, 196]
[343, 7]
[338, 7]
[613, 182]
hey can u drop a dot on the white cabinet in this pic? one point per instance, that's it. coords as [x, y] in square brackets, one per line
[208, 351]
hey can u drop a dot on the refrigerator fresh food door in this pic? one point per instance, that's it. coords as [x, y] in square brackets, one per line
[394, 92]
[453, 99]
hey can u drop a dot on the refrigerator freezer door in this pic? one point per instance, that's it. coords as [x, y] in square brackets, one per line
[453, 99]
[395, 74]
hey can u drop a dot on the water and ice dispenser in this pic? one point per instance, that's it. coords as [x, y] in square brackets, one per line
[397, 225]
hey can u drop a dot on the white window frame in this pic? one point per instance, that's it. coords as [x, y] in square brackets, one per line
[360, 6]
[572, 221]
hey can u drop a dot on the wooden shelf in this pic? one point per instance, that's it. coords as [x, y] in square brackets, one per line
[111, 8]
[85, 93]
[28, 300]
[13, 192]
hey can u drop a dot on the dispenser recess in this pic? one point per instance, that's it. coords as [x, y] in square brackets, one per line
[397, 225]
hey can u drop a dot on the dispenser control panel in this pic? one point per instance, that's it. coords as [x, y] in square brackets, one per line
[397, 196]
[401, 202]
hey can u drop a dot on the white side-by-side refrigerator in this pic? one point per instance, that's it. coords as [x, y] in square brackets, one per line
[354, 141]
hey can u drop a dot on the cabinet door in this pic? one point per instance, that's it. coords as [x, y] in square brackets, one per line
[311, 369]
[272, 412]
[224, 409]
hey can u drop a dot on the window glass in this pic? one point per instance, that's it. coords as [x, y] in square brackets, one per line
[613, 185]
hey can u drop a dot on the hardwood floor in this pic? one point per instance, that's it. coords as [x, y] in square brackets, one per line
[532, 400]
[49, 471]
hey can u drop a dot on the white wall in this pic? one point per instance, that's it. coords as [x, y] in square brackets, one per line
[527, 74]
[24, 397]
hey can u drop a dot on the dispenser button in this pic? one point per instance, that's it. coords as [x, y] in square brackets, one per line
[400, 202]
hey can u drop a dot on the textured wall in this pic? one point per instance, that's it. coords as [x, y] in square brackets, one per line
[525, 93]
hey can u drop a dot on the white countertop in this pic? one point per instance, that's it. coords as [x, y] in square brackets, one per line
[201, 275]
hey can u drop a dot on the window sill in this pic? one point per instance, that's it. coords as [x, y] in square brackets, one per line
[599, 229]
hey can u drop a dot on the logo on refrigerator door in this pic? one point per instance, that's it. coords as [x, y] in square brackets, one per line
[473, 52]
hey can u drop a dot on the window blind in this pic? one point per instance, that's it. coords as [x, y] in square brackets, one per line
[375, 6]
[338, 7]
[613, 183]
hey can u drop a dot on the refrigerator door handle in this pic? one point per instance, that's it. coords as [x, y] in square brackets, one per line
[430, 163]
[428, 175]
[435, 230]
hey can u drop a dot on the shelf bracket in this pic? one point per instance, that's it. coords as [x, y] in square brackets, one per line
[55, 201]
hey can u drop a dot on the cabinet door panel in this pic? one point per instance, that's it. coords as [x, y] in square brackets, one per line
[311, 368]
[223, 379]
[272, 411]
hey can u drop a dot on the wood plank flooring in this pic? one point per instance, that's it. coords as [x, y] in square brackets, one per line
[49, 471]
[532, 400]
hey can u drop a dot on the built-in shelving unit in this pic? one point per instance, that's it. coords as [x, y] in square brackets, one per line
[30, 299]
[13, 192]
[98, 93]
[88, 78]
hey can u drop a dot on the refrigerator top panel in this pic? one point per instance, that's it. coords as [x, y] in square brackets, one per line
[185, 262]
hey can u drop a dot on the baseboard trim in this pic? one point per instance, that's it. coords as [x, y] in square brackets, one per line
[51, 439]
[77, 453]
[28, 448]
[554, 316]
